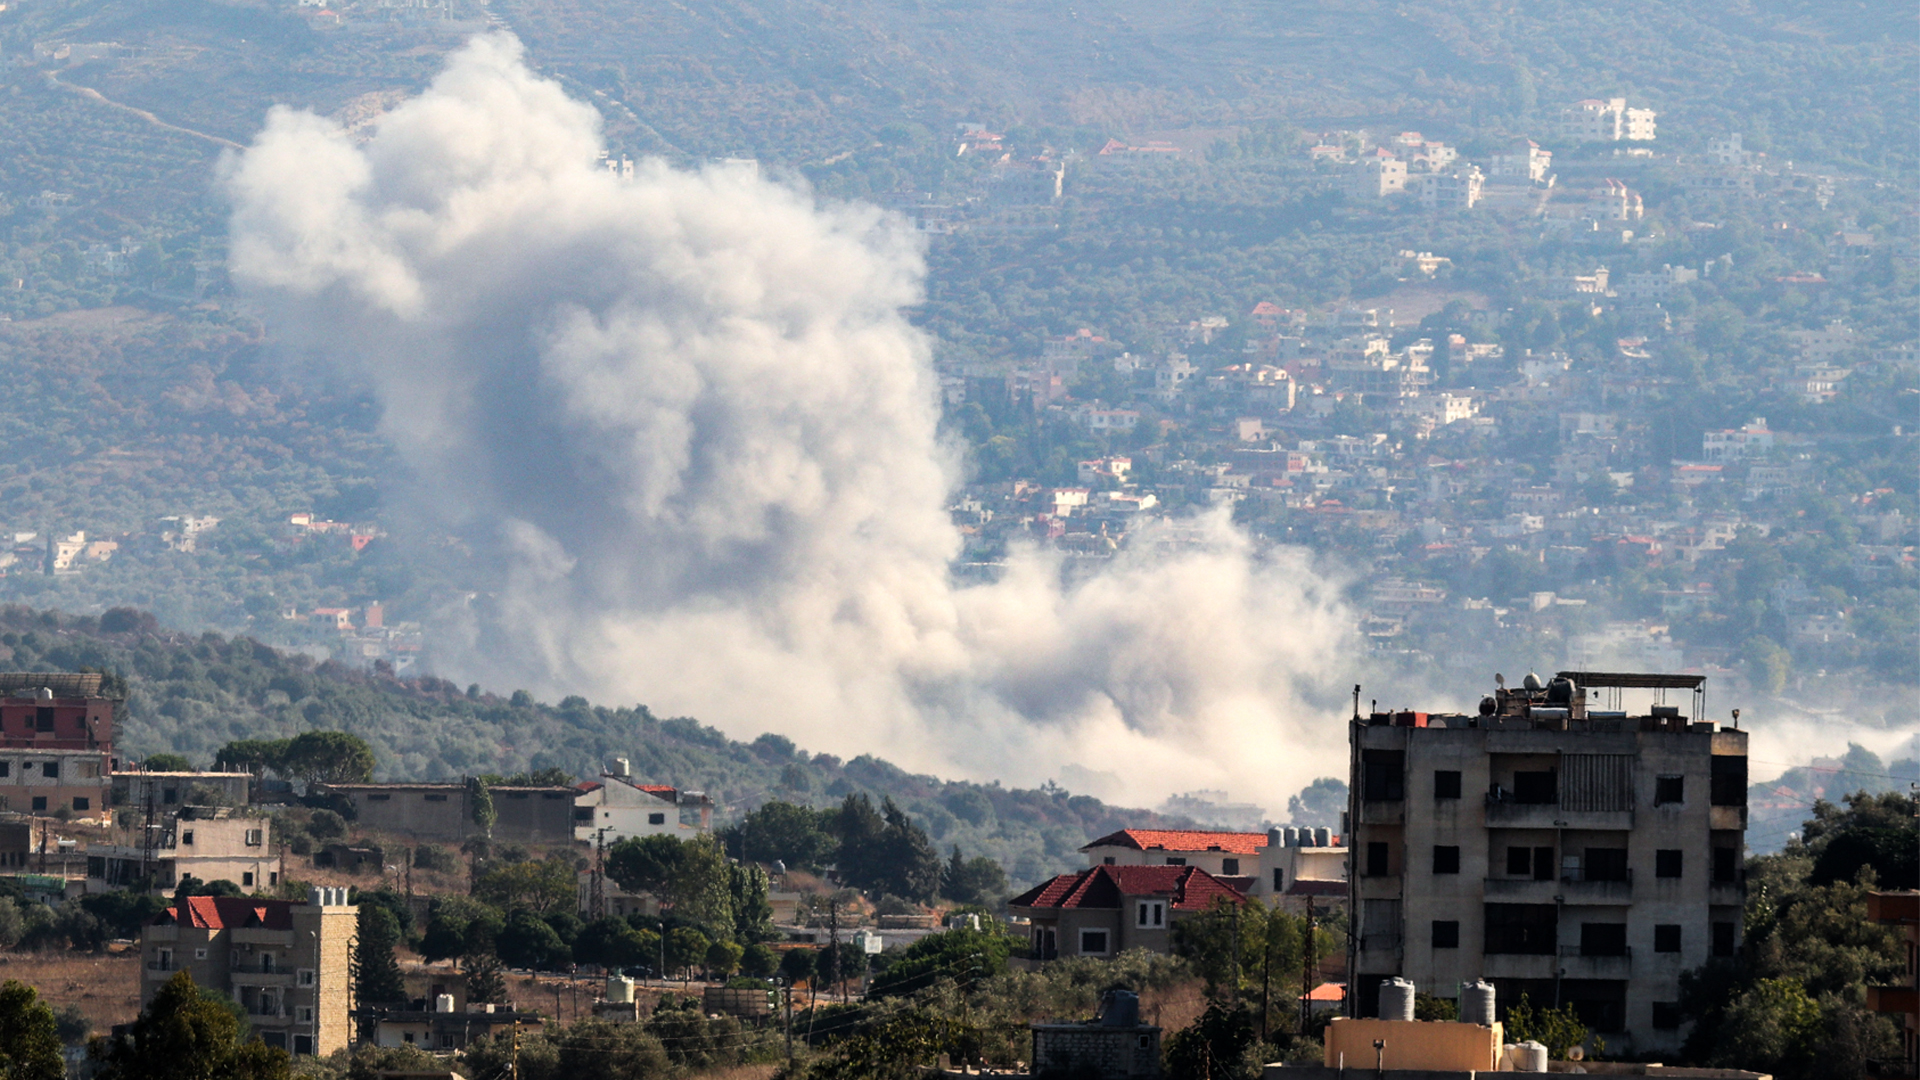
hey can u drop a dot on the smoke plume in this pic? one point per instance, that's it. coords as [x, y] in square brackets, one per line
[683, 424]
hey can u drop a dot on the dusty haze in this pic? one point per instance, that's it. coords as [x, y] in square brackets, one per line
[693, 439]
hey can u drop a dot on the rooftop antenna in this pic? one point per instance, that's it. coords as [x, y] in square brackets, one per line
[1356, 702]
[1736, 719]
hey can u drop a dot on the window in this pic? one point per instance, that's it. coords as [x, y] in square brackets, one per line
[82, 802]
[1543, 864]
[1723, 939]
[39, 802]
[254, 837]
[1603, 939]
[50, 770]
[169, 795]
[1376, 858]
[1108, 861]
[1230, 867]
[1726, 866]
[1520, 861]
[1175, 860]
[1446, 934]
[246, 878]
[1666, 862]
[1728, 786]
[273, 877]
[380, 798]
[199, 954]
[583, 814]
[1093, 943]
[446, 1040]
[407, 1035]
[305, 977]
[654, 819]
[1669, 789]
[1446, 860]
[6, 768]
[1537, 788]
[1666, 937]
[43, 719]
[436, 798]
[1279, 880]
[186, 838]
[1446, 783]
[1606, 864]
[1382, 775]
[517, 795]
[1666, 1015]
[303, 1014]
[303, 1044]
[1150, 914]
[1526, 929]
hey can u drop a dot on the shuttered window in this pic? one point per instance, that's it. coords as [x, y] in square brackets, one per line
[1596, 782]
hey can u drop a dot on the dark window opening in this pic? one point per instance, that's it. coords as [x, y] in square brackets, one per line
[1723, 939]
[1726, 866]
[1446, 934]
[1446, 860]
[1536, 788]
[1528, 929]
[1543, 864]
[50, 769]
[1176, 860]
[1383, 775]
[1666, 1015]
[39, 802]
[82, 802]
[43, 719]
[1603, 939]
[436, 798]
[1666, 937]
[1230, 867]
[1669, 789]
[656, 819]
[1666, 862]
[1729, 784]
[1376, 858]
[1446, 783]
[1520, 861]
[1279, 879]
[1606, 864]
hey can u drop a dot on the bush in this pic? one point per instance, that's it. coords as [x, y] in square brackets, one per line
[436, 858]
[326, 825]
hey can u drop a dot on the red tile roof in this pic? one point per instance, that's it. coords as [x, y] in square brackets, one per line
[1189, 887]
[1232, 843]
[233, 912]
[1328, 991]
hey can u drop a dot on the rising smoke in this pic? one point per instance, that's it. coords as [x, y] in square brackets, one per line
[683, 423]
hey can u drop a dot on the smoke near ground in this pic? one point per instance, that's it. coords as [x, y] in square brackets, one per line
[684, 424]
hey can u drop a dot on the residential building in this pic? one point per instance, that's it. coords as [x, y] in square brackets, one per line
[1642, 287]
[1748, 441]
[1608, 120]
[166, 792]
[1556, 844]
[1279, 862]
[1614, 201]
[56, 742]
[445, 810]
[1378, 175]
[210, 843]
[1523, 162]
[1728, 153]
[1455, 190]
[286, 964]
[1106, 910]
[47, 781]
[437, 1016]
[615, 807]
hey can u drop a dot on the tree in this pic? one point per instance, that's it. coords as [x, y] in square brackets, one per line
[376, 973]
[685, 948]
[253, 755]
[484, 815]
[486, 983]
[966, 956]
[978, 880]
[759, 961]
[912, 862]
[748, 889]
[460, 926]
[783, 832]
[529, 942]
[797, 965]
[29, 1036]
[327, 757]
[723, 958]
[1213, 1046]
[1556, 1029]
[611, 942]
[548, 885]
[182, 1035]
[167, 763]
[690, 877]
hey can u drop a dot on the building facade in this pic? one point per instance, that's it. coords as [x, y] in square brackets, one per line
[615, 808]
[1271, 865]
[209, 843]
[1567, 849]
[56, 743]
[286, 963]
[1106, 910]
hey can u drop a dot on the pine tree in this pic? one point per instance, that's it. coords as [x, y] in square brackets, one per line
[486, 983]
[376, 973]
[29, 1037]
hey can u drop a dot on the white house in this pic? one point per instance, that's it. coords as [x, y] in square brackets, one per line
[615, 807]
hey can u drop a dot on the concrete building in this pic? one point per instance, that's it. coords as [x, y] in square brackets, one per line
[1458, 189]
[56, 742]
[210, 843]
[1114, 1045]
[1606, 120]
[1524, 162]
[1273, 865]
[444, 810]
[1379, 174]
[615, 807]
[1107, 910]
[166, 792]
[286, 963]
[1555, 844]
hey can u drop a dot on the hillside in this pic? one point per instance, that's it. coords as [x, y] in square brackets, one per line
[192, 695]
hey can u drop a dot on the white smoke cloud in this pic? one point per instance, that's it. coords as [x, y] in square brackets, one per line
[685, 423]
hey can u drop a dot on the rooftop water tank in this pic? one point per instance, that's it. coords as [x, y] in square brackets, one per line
[443, 1003]
[1476, 1003]
[1527, 1057]
[1323, 837]
[1396, 999]
[620, 989]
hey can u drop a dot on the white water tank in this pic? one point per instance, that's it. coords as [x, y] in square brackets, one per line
[1527, 1057]
[1476, 1003]
[443, 1003]
[1323, 837]
[620, 989]
[1396, 999]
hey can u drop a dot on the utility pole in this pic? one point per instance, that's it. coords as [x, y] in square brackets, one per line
[1266, 973]
[43, 845]
[513, 1065]
[596, 890]
[785, 987]
[833, 935]
[1309, 960]
[1235, 997]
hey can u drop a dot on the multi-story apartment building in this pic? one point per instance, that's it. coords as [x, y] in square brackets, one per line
[1608, 120]
[1554, 843]
[209, 843]
[56, 743]
[287, 964]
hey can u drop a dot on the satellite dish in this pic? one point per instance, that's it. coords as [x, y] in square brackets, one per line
[1499, 679]
[1531, 682]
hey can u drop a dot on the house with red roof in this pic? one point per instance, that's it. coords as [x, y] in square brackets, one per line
[288, 964]
[1278, 863]
[1106, 910]
[614, 807]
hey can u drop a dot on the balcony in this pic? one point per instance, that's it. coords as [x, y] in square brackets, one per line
[1520, 891]
[1383, 812]
[1576, 964]
[1518, 966]
[262, 978]
[1726, 817]
[1576, 888]
[162, 969]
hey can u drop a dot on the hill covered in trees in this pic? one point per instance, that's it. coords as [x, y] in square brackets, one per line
[192, 695]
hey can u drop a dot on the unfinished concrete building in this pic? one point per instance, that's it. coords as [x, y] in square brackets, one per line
[1556, 843]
